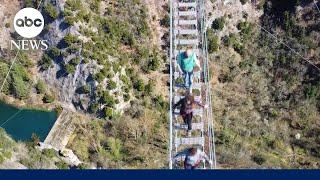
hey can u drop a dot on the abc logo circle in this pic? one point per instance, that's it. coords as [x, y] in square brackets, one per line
[28, 22]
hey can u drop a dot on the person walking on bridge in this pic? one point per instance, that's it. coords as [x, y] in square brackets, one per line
[187, 61]
[187, 106]
[193, 158]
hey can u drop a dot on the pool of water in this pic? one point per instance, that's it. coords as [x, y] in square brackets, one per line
[20, 124]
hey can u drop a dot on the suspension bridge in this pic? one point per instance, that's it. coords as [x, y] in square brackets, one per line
[188, 30]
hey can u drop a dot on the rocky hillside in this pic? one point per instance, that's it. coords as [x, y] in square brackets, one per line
[107, 62]
[266, 93]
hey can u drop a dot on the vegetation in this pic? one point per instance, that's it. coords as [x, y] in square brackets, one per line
[70, 39]
[218, 24]
[62, 165]
[117, 42]
[40, 87]
[166, 21]
[266, 101]
[47, 98]
[243, 1]
[127, 143]
[3, 73]
[46, 62]
[213, 41]
[32, 3]
[107, 99]
[7, 146]
[85, 89]
[70, 68]
[20, 82]
[51, 11]
[112, 85]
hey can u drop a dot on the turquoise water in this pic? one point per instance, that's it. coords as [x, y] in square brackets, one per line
[20, 124]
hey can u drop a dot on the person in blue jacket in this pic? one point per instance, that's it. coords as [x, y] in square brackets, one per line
[187, 61]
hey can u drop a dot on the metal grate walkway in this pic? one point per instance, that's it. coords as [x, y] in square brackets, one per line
[187, 30]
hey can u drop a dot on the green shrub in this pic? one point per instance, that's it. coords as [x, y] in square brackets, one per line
[40, 87]
[34, 139]
[239, 48]
[45, 62]
[29, 3]
[93, 108]
[24, 60]
[94, 5]
[149, 88]
[85, 89]
[7, 146]
[62, 165]
[70, 39]
[47, 98]
[73, 49]
[7, 25]
[107, 99]
[75, 61]
[69, 68]
[160, 103]
[126, 97]
[20, 87]
[258, 158]
[55, 52]
[51, 11]
[20, 82]
[21, 72]
[312, 91]
[246, 29]
[111, 85]
[125, 80]
[234, 42]
[50, 153]
[116, 67]
[67, 12]
[114, 148]
[127, 38]
[69, 20]
[99, 77]
[73, 5]
[154, 63]
[218, 23]
[165, 21]
[288, 22]
[230, 41]
[213, 41]
[143, 28]
[108, 113]
[58, 109]
[3, 72]
[83, 166]
[139, 85]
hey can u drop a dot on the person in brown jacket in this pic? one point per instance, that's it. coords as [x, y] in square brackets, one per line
[187, 106]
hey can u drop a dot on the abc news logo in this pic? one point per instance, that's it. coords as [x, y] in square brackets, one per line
[29, 23]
